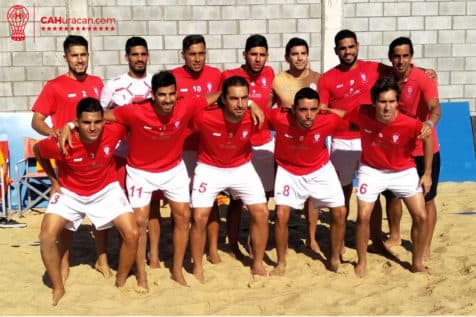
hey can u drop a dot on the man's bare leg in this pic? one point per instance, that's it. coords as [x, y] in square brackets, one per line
[181, 214]
[281, 234]
[141, 215]
[213, 230]
[259, 236]
[233, 220]
[312, 217]
[362, 235]
[431, 220]
[419, 231]
[102, 265]
[337, 235]
[66, 237]
[127, 227]
[376, 227]
[154, 234]
[394, 215]
[347, 190]
[51, 227]
[197, 240]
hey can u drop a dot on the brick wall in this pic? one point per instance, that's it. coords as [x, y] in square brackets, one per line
[444, 33]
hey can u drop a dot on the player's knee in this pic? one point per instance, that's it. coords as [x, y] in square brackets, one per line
[131, 236]
[419, 216]
[142, 222]
[47, 238]
[338, 215]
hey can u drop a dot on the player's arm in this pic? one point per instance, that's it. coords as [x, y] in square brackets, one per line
[213, 98]
[39, 125]
[257, 115]
[435, 114]
[425, 180]
[49, 170]
[106, 97]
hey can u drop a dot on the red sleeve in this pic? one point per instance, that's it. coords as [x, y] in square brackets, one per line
[323, 91]
[48, 149]
[353, 116]
[123, 114]
[429, 88]
[45, 104]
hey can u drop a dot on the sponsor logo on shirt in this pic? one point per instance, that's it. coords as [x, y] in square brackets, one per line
[216, 134]
[146, 127]
[183, 89]
[78, 159]
[368, 131]
[72, 95]
[288, 136]
[339, 86]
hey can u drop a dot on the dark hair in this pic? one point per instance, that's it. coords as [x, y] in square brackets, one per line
[344, 34]
[305, 93]
[192, 39]
[400, 41]
[88, 104]
[162, 79]
[256, 40]
[135, 41]
[231, 82]
[73, 40]
[295, 41]
[384, 84]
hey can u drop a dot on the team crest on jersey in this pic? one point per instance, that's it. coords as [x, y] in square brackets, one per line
[209, 87]
[96, 91]
[364, 78]
[351, 82]
[409, 91]
[301, 138]
[84, 93]
[313, 86]
[106, 150]
[395, 138]
[317, 136]
[230, 135]
[177, 124]
[264, 82]
[380, 135]
[244, 134]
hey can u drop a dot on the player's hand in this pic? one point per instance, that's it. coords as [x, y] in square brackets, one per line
[425, 131]
[432, 74]
[64, 138]
[425, 183]
[257, 114]
[55, 188]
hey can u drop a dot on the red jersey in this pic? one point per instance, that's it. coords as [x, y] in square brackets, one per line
[386, 146]
[223, 144]
[259, 91]
[61, 95]
[298, 150]
[347, 89]
[207, 82]
[156, 141]
[87, 168]
[417, 89]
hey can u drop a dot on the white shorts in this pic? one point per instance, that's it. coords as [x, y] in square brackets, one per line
[322, 186]
[173, 183]
[263, 162]
[345, 156]
[190, 160]
[243, 180]
[373, 181]
[101, 208]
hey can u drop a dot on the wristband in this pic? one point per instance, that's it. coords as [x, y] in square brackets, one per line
[430, 123]
[71, 125]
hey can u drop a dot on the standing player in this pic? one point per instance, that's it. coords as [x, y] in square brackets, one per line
[419, 100]
[388, 140]
[58, 100]
[304, 170]
[86, 185]
[195, 79]
[224, 162]
[260, 78]
[285, 86]
[134, 87]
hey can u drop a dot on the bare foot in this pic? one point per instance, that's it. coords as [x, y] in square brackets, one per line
[360, 270]
[214, 258]
[278, 270]
[154, 264]
[419, 268]
[120, 281]
[179, 278]
[57, 295]
[313, 245]
[333, 265]
[198, 273]
[259, 270]
[142, 286]
[105, 270]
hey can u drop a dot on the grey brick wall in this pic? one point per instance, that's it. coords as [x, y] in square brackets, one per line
[444, 33]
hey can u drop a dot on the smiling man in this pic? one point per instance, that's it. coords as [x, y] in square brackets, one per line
[86, 185]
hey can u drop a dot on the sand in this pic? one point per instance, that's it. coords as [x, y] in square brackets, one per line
[307, 288]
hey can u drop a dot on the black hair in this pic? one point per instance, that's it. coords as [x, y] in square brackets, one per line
[88, 104]
[256, 40]
[305, 93]
[295, 41]
[344, 34]
[162, 79]
[400, 41]
[73, 40]
[192, 39]
[384, 84]
[135, 41]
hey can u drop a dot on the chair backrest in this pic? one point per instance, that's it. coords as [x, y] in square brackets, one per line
[4, 164]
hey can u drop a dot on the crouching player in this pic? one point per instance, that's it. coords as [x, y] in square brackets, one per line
[388, 139]
[304, 170]
[86, 185]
